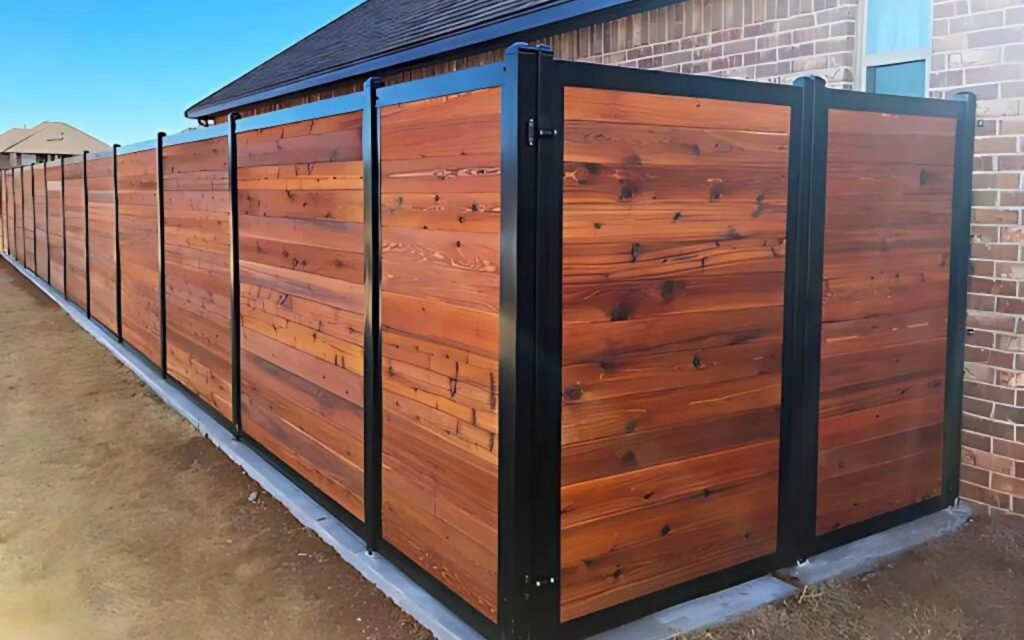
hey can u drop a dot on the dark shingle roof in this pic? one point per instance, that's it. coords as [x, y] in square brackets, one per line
[377, 28]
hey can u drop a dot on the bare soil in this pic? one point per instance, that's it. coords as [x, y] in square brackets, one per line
[966, 586]
[117, 520]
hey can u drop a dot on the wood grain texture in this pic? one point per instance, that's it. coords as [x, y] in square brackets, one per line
[102, 271]
[303, 298]
[672, 283]
[884, 313]
[55, 204]
[440, 240]
[197, 251]
[39, 202]
[140, 262]
[74, 214]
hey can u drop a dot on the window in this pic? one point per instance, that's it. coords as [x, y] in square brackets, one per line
[897, 46]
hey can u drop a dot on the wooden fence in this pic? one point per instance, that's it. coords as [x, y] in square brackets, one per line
[567, 343]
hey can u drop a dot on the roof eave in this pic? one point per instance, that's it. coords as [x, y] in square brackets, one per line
[562, 15]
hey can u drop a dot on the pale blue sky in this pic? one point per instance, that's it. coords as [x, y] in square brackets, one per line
[124, 69]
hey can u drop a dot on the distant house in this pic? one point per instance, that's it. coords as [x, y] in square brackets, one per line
[45, 141]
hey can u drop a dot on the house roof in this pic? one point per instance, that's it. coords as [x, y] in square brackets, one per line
[381, 34]
[49, 138]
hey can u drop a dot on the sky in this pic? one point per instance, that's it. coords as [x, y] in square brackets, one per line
[122, 70]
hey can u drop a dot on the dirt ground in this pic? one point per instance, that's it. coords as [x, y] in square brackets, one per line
[118, 521]
[966, 586]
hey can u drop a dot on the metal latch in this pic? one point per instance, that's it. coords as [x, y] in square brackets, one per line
[533, 132]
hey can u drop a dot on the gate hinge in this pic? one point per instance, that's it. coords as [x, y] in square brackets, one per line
[533, 132]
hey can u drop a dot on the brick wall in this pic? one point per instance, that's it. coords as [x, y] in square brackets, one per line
[766, 40]
[978, 45]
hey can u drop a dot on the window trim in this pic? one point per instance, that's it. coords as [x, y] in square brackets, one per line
[866, 60]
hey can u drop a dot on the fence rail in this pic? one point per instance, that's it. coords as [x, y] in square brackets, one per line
[567, 343]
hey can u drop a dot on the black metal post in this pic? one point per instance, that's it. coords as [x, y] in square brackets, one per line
[35, 226]
[85, 205]
[161, 266]
[372, 408]
[63, 230]
[530, 347]
[46, 221]
[956, 335]
[24, 229]
[117, 249]
[236, 293]
[801, 443]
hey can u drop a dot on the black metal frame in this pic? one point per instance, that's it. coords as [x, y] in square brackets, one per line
[372, 393]
[117, 248]
[35, 227]
[532, 85]
[85, 209]
[46, 212]
[24, 227]
[236, 294]
[161, 264]
[63, 230]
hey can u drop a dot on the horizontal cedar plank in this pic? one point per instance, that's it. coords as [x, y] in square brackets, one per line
[845, 121]
[649, 486]
[593, 342]
[631, 450]
[332, 422]
[872, 491]
[329, 291]
[608, 143]
[670, 371]
[592, 263]
[440, 323]
[651, 411]
[343, 383]
[317, 204]
[670, 186]
[878, 421]
[870, 333]
[327, 234]
[604, 106]
[301, 257]
[861, 369]
[343, 145]
[328, 472]
[322, 318]
[455, 268]
[473, 212]
[616, 559]
[842, 461]
[321, 346]
[676, 293]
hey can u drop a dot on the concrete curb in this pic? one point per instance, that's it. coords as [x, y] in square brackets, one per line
[709, 611]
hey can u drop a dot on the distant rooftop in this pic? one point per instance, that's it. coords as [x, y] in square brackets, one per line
[49, 138]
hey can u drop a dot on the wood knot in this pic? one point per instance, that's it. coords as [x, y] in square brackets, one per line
[634, 251]
[573, 393]
[668, 290]
[698, 363]
[667, 529]
[716, 189]
[620, 313]
[626, 190]
[629, 459]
